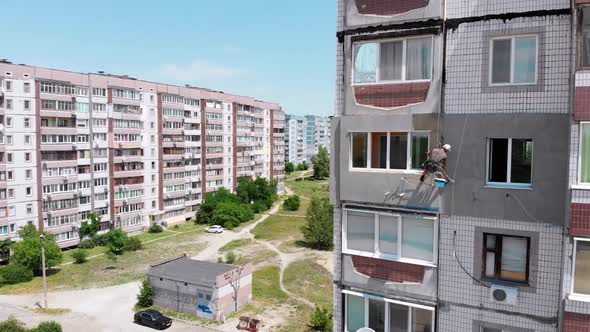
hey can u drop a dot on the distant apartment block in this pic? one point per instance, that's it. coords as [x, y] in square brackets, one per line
[506, 246]
[304, 136]
[133, 151]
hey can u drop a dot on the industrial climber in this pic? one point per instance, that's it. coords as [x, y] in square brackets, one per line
[436, 162]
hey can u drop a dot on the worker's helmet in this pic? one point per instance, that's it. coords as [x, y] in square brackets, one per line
[447, 147]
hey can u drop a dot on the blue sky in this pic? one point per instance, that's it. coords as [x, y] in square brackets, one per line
[280, 51]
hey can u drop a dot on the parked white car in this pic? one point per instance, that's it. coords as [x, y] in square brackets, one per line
[214, 229]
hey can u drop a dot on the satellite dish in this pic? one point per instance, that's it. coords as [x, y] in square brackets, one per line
[365, 329]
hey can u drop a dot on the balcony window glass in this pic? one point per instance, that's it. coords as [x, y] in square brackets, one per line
[361, 231]
[514, 60]
[359, 150]
[585, 153]
[398, 318]
[581, 283]
[398, 150]
[417, 235]
[365, 63]
[391, 61]
[355, 312]
[585, 31]
[419, 58]
[378, 150]
[419, 148]
[377, 315]
[388, 229]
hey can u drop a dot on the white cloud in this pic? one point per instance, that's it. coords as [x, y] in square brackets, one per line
[199, 71]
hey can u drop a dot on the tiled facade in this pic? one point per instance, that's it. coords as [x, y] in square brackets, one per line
[501, 77]
[133, 151]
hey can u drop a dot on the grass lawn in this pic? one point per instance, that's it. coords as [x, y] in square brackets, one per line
[279, 228]
[91, 252]
[266, 286]
[235, 244]
[101, 271]
[299, 212]
[298, 320]
[309, 188]
[308, 279]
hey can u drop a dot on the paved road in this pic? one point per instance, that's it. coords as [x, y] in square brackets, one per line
[99, 309]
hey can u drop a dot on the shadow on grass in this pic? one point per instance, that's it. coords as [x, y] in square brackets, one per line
[307, 245]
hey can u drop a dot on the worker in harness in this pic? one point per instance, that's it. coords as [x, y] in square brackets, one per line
[436, 162]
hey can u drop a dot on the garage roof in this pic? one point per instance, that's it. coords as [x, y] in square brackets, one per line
[190, 271]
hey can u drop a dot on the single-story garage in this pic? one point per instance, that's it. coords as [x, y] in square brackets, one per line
[208, 290]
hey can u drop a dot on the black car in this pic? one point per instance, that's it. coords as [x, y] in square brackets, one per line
[152, 318]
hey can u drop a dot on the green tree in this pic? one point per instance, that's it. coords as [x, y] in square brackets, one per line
[228, 215]
[292, 203]
[289, 167]
[321, 320]
[5, 247]
[318, 231]
[89, 229]
[321, 164]
[27, 252]
[213, 199]
[116, 241]
[80, 256]
[247, 190]
[302, 167]
[146, 295]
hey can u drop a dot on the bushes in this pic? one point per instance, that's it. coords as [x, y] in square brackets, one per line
[116, 241]
[15, 273]
[292, 203]
[80, 256]
[86, 244]
[50, 326]
[321, 320]
[5, 248]
[13, 325]
[231, 258]
[146, 295]
[133, 244]
[155, 228]
[100, 240]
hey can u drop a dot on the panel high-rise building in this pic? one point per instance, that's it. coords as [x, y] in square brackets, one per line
[133, 151]
[505, 244]
[304, 136]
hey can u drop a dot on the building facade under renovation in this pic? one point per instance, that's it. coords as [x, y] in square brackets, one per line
[133, 151]
[503, 245]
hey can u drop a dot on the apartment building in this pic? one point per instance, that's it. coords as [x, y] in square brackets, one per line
[304, 136]
[486, 252]
[133, 151]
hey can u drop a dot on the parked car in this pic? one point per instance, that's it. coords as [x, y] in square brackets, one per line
[214, 229]
[152, 318]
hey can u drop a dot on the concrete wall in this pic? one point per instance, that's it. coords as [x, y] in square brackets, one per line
[461, 297]
[383, 12]
[469, 195]
[468, 8]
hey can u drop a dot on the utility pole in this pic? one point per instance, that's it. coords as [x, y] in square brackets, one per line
[235, 284]
[42, 237]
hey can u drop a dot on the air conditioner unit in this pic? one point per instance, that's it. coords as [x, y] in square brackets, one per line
[504, 294]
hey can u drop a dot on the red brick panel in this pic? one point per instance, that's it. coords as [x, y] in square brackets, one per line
[582, 101]
[573, 322]
[388, 7]
[580, 219]
[391, 95]
[388, 270]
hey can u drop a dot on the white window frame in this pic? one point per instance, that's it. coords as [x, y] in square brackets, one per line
[386, 256]
[512, 55]
[368, 168]
[377, 67]
[507, 184]
[386, 301]
[579, 175]
[574, 295]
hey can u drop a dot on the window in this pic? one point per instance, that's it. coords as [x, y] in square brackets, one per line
[386, 315]
[28, 174]
[27, 122]
[29, 191]
[8, 121]
[27, 156]
[393, 61]
[8, 85]
[10, 193]
[27, 87]
[584, 162]
[9, 139]
[8, 104]
[394, 150]
[29, 208]
[11, 211]
[9, 158]
[514, 60]
[27, 105]
[581, 267]
[510, 161]
[506, 257]
[406, 237]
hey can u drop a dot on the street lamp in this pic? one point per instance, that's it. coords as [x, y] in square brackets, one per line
[42, 237]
